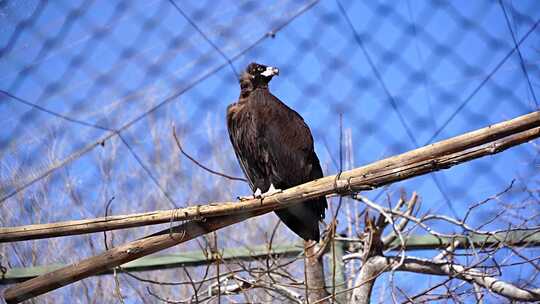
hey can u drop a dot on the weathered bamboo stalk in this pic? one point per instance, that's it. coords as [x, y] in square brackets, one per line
[427, 159]
[361, 181]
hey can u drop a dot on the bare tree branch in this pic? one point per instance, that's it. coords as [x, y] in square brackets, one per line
[388, 239]
[201, 165]
[240, 285]
[460, 272]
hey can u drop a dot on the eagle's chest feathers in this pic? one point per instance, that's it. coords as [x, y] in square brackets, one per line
[257, 115]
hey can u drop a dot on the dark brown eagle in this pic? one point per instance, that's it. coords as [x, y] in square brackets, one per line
[275, 148]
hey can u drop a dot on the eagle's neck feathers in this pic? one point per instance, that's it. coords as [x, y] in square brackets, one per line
[254, 95]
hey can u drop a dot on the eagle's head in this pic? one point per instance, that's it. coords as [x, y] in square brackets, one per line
[262, 71]
[257, 76]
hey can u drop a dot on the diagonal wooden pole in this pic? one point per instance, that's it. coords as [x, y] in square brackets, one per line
[462, 142]
[420, 161]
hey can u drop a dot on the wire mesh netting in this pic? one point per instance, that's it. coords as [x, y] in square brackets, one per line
[90, 92]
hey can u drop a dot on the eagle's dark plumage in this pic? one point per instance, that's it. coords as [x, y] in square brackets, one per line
[274, 147]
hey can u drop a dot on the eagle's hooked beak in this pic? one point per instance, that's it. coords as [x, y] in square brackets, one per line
[270, 71]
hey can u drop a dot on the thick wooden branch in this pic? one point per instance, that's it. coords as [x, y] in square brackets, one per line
[364, 282]
[314, 273]
[430, 158]
[442, 155]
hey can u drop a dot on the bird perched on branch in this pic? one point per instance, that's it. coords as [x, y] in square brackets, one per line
[275, 148]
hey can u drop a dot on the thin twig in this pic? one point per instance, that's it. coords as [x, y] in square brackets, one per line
[201, 165]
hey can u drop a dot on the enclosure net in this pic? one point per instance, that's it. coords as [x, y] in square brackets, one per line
[90, 92]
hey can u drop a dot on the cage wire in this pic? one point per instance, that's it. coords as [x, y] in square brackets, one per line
[90, 93]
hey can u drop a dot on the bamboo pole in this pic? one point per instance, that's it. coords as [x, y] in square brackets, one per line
[362, 178]
[420, 161]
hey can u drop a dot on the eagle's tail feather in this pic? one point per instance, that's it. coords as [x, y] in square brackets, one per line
[303, 218]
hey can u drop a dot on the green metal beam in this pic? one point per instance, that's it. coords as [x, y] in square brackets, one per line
[165, 261]
[337, 248]
[518, 238]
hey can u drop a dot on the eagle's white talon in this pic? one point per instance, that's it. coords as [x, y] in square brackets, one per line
[258, 194]
[271, 191]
